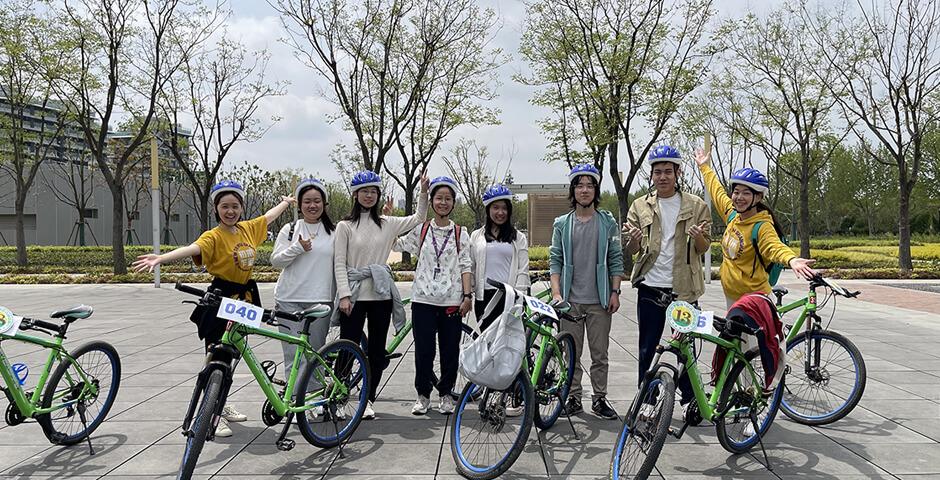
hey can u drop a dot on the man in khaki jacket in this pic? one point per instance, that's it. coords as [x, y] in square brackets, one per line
[669, 229]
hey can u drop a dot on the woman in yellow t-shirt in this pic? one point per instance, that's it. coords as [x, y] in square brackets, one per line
[740, 272]
[228, 251]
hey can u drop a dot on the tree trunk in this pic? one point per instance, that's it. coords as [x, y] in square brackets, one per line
[409, 209]
[21, 259]
[117, 229]
[203, 211]
[804, 212]
[904, 227]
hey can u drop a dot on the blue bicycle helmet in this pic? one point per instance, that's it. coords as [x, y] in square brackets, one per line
[751, 178]
[496, 192]
[584, 169]
[226, 186]
[443, 181]
[363, 179]
[664, 153]
[311, 182]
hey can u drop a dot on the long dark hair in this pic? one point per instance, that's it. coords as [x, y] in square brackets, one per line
[762, 207]
[324, 217]
[507, 233]
[357, 210]
[218, 198]
[597, 191]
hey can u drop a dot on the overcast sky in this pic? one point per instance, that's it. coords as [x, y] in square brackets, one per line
[304, 137]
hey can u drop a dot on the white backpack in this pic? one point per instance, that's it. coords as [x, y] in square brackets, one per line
[494, 358]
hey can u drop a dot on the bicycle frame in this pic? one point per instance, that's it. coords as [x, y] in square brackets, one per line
[28, 405]
[808, 306]
[236, 336]
[548, 338]
[680, 345]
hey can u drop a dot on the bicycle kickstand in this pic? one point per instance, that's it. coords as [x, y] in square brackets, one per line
[81, 415]
[564, 408]
[283, 443]
[760, 440]
[336, 428]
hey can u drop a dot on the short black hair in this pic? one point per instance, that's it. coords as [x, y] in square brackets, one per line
[574, 182]
[218, 198]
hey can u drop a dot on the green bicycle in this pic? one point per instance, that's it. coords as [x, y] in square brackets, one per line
[826, 373]
[70, 402]
[738, 406]
[490, 427]
[328, 398]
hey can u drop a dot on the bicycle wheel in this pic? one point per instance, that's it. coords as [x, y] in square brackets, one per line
[740, 396]
[339, 406]
[484, 440]
[201, 424]
[644, 429]
[101, 365]
[826, 387]
[554, 381]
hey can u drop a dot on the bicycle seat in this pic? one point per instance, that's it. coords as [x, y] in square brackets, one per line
[780, 290]
[74, 313]
[316, 311]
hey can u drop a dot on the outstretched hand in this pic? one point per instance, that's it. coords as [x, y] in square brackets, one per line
[702, 157]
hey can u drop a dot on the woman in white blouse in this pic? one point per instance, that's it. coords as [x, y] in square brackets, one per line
[498, 252]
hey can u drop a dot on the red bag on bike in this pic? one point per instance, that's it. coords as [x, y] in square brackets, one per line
[757, 311]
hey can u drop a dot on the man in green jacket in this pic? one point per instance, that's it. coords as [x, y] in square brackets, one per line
[586, 265]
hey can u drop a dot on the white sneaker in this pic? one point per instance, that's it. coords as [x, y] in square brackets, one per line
[647, 411]
[368, 413]
[512, 411]
[421, 406]
[447, 405]
[223, 429]
[314, 413]
[229, 413]
[748, 429]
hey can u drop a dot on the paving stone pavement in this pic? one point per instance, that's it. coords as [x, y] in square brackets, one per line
[893, 433]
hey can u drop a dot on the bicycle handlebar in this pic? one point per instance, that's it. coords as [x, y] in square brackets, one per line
[268, 316]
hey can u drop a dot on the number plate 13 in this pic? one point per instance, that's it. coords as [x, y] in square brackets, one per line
[241, 312]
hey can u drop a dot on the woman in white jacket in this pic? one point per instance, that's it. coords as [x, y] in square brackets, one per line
[498, 252]
[304, 250]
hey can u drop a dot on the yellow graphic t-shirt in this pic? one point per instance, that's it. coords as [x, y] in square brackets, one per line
[231, 256]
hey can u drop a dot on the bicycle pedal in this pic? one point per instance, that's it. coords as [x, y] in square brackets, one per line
[393, 356]
[285, 445]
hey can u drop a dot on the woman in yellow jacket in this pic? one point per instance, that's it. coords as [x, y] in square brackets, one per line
[740, 272]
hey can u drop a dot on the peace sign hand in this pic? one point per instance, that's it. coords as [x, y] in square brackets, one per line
[425, 182]
[388, 208]
[702, 157]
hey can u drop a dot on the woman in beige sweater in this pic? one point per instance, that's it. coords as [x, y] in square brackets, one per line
[363, 241]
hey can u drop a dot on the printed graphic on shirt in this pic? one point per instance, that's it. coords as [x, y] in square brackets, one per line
[244, 256]
[732, 243]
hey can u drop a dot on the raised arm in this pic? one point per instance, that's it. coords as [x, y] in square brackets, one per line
[276, 211]
[716, 191]
[150, 260]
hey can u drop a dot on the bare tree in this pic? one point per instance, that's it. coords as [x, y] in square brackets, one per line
[404, 73]
[620, 66]
[78, 174]
[127, 52]
[887, 59]
[220, 91]
[468, 163]
[782, 77]
[31, 61]
[173, 183]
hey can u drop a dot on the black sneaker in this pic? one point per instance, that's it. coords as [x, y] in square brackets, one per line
[602, 408]
[573, 406]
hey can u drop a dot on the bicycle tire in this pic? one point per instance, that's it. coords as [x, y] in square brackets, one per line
[492, 416]
[550, 382]
[661, 389]
[809, 412]
[344, 358]
[738, 381]
[54, 392]
[201, 424]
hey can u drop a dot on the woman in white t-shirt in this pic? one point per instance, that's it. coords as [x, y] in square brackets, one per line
[498, 252]
[304, 250]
